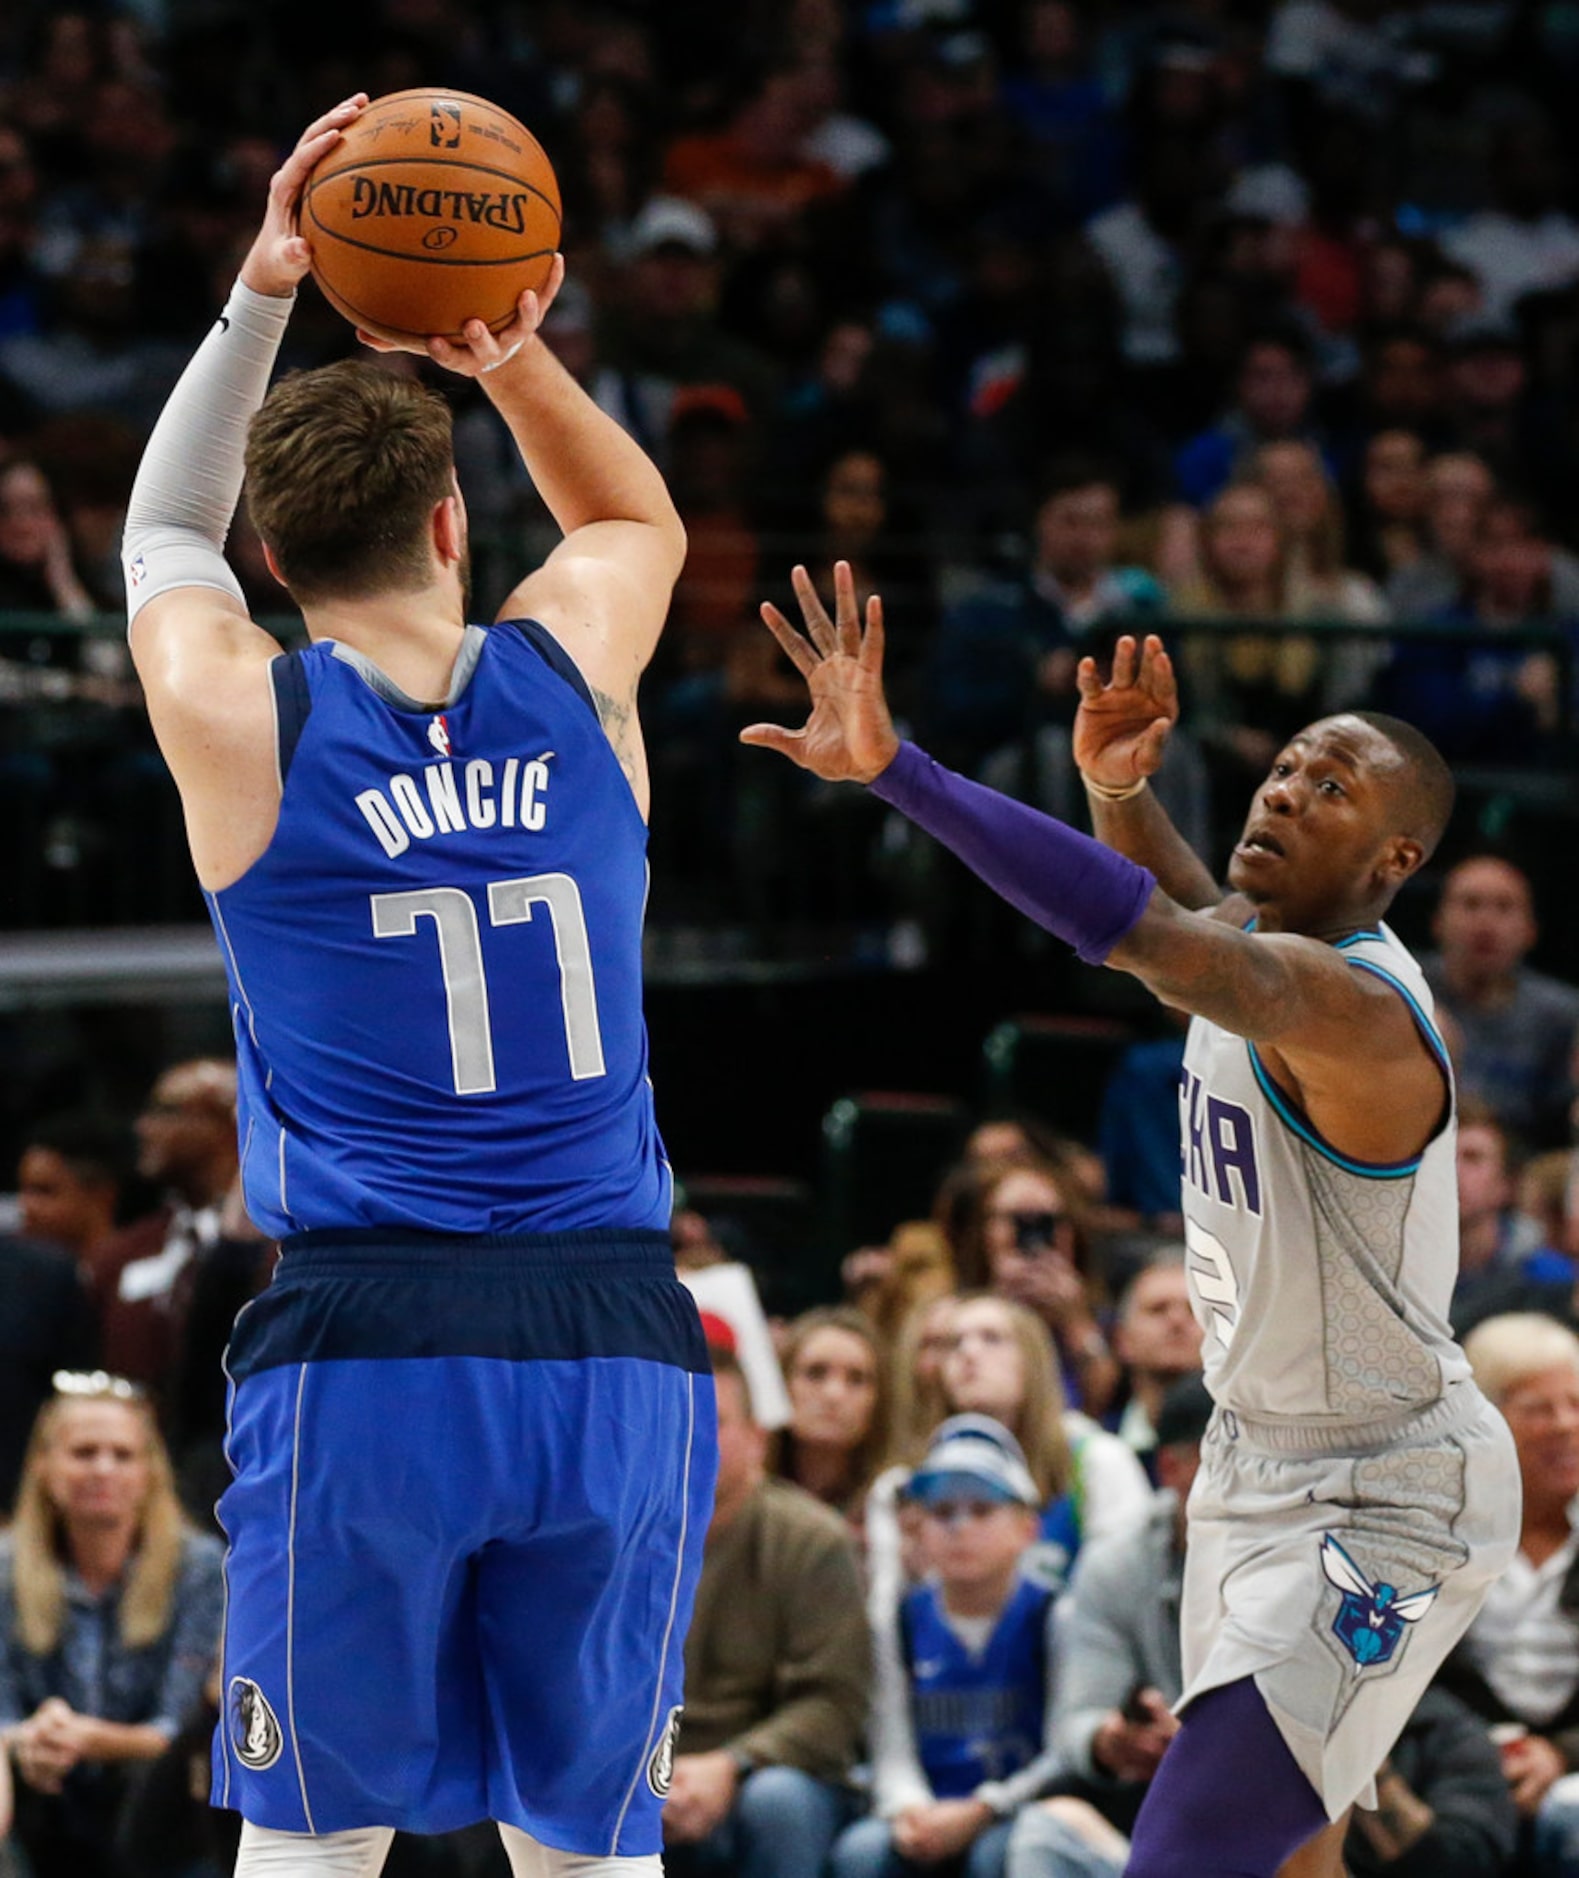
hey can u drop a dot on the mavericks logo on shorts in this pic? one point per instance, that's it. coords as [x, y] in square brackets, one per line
[254, 1727]
[1371, 1617]
[660, 1769]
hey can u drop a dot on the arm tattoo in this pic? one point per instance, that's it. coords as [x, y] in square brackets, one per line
[618, 718]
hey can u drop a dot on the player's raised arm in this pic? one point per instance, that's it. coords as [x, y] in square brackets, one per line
[1121, 729]
[1287, 988]
[202, 661]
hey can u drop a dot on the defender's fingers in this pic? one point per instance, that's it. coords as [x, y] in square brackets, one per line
[847, 611]
[1163, 680]
[870, 650]
[775, 737]
[1124, 663]
[1087, 679]
[800, 654]
[813, 612]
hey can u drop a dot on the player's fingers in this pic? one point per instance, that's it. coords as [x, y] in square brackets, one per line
[547, 293]
[775, 737]
[871, 646]
[800, 654]
[1165, 683]
[338, 115]
[1124, 662]
[846, 609]
[1087, 680]
[373, 342]
[813, 612]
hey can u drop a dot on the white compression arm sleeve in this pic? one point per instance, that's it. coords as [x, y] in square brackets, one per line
[189, 480]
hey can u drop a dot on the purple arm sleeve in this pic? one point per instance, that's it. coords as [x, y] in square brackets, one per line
[1086, 894]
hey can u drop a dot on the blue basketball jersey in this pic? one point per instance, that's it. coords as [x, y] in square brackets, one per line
[978, 1718]
[435, 966]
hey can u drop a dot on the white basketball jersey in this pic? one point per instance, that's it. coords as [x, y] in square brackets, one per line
[1322, 1282]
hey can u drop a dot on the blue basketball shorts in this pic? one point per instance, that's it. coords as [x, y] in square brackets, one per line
[471, 1483]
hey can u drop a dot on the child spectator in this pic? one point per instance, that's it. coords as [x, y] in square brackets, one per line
[960, 1721]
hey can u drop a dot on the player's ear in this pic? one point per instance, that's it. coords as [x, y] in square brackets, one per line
[1403, 856]
[449, 528]
[274, 566]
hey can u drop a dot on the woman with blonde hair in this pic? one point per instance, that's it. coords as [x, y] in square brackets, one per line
[110, 1609]
[836, 1375]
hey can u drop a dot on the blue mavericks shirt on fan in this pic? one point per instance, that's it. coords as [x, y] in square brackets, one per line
[435, 967]
[978, 1716]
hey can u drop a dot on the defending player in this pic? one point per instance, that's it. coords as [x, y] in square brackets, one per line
[472, 1424]
[1357, 1493]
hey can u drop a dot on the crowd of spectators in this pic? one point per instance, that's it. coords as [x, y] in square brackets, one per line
[936, 1627]
[1052, 319]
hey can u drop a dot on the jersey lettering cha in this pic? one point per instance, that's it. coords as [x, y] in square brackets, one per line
[1284, 1234]
[435, 966]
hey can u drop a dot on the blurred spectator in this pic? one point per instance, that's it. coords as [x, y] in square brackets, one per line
[754, 178]
[916, 1378]
[1060, 101]
[1458, 486]
[19, 296]
[776, 1672]
[36, 570]
[70, 1179]
[1158, 1342]
[1344, 55]
[143, 1276]
[1006, 650]
[838, 1431]
[47, 1323]
[1138, 1131]
[1251, 690]
[1493, 410]
[1141, 243]
[111, 1616]
[1389, 533]
[662, 331]
[1501, 1250]
[1518, 1665]
[1525, 243]
[962, 1696]
[1272, 404]
[1518, 1026]
[1320, 583]
[1023, 1234]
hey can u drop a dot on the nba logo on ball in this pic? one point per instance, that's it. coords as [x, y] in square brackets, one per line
[660, 1769]
[254, 1727]
[444, 125]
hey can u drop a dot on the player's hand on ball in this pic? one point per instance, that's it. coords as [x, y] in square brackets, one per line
[849, 736]
[1122, 726]
[482, 351]
[279, 257]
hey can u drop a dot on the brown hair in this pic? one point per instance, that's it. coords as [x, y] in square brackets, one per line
[344, 467]
[867, 1455]
[40, 1549]
[916, 1402]
[965, 1200]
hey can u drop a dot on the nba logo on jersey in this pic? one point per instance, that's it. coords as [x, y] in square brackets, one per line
[439, 735]
[1371, 1618]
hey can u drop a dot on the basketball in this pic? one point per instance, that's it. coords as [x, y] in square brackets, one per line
[434, 208]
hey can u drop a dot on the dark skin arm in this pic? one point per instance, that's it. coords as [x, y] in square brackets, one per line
[1340, 1042]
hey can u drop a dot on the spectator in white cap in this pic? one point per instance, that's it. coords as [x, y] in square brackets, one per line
[661, 335]
[960, 1730]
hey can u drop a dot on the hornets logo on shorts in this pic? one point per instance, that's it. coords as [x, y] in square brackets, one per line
[254, 1727]
[1371, 1617]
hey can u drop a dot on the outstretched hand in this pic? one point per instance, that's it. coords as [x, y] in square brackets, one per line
[849, 736]
[1123, 725]
[279, 256]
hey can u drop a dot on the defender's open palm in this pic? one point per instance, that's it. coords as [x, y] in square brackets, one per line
[849, 736]
[1122, 726]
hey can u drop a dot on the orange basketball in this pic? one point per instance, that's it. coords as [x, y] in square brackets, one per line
[434, 208]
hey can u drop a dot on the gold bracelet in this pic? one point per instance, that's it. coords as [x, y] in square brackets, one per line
[1104, 794]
